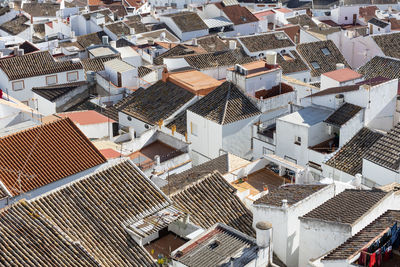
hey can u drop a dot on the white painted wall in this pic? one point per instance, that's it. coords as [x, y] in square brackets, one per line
[379, 174]
[286, 225]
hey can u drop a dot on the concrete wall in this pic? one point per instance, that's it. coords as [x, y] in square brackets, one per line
[96, 131]
[379, 174]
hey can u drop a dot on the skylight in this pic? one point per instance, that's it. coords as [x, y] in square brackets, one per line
[326, 51]
[315, 65]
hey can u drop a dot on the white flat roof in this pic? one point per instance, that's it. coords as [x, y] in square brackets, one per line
[307, 116]
[217, 22]
[118, 65]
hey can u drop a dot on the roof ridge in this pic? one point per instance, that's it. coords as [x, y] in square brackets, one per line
[228, 95]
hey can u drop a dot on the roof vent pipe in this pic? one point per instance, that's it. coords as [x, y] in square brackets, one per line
[339, 66]
[284, 203]
[105, 40]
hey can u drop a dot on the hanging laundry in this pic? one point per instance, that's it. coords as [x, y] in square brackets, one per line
[372, 260]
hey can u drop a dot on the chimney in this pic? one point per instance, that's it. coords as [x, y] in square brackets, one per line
[194, 41]
[16, 51]
[284, 203]
[131, 31]
[165, 75]
[263, 234]
[157, 160]
[105, 40]
[232, 44]
[113, 44]
[20, 52]
[306, 27]
[186, 219]
[340, 66]
[271, 59]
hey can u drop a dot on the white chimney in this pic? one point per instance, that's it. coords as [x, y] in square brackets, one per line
[131, 31]
[306, 27]
[20, 52]
[271, 58]
[73, 36]
[194, 41]
[113, 44]
[357, 180]
[16, 51]
[340, 66]
[284, 203]
[157, 160]
[105, 40]
[263, 234]
[232, 44]
[390, 9]
[339, 100]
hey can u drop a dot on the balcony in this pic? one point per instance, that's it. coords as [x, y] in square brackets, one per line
[327, 147]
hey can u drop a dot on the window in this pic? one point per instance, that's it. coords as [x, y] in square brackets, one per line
[267, 151]
[345, 18]
[193, 129]
[18, 85]
[129, 118]
[315, 65]
[290, 159]
[297, 140]
[72, 76]
[25, 103]
[326, 51]
[51, 79]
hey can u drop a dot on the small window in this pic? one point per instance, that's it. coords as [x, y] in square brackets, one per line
[345, 18]
[297, 140]
[379, 29]
[25, 103]
[51, 79]
[326, 51]
[72, 76]
[18, 85]
[129, 118]
[315, 65]
[193, 129]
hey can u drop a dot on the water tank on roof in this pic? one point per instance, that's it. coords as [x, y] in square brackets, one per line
[271, 57]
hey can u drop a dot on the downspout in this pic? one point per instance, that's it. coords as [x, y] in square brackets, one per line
[271, 252]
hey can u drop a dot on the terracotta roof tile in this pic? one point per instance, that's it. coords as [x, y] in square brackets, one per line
[225, 104]
[32, 240]
[97, 63]
[95, 211]
[381, 67]
[386, 152]
[343, 114]
[313, 52]
[266, 41]
[35, 64]
[45, 154]
[53, 92]
[188, 21]
[238, 14]
[293, 193]
[349, 158]
[347, 207]
[389, 43]
[36, 9]
[157, 102]
[211, 200]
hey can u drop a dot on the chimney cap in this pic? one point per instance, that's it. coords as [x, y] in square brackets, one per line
[263, 225]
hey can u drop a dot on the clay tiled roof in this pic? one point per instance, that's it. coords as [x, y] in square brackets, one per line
[291, 64]
[41, 9]
[225, 104]
[91, 39]
[85, 117]
[312, 52]
[45, 154]
[237, 14]
[368, 12]
[118, 28]
[378, 23]
[212, 199]
[97, 63]
[35, 64]
[267, 41]
[178, 50]
[180, 123]
[343, 114]
[96, 210]
[386, 152]
[212, 43]
[143, 71]
[381, 67]
[15, 26]
[157, 102]
[389, 44]
[53, 92]
[180, 180]
[349, 158]
[217, 59]
[292, 193]
[343, 75]
[29, 238]
[347, 207]
[358, 241]
[188, 21]
[302, 20]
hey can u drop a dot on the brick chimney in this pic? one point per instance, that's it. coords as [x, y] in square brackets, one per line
[164, 75]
